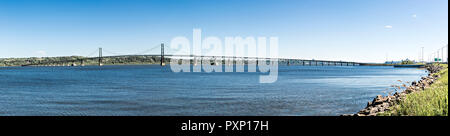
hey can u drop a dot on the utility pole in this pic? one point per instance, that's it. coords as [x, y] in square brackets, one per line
[447, 52]
[387, 57]
[442, 53]
[438, 56]
[434, 57]
[430, 57]
[423, 60]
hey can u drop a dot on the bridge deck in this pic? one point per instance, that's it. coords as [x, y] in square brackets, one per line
[286, 61]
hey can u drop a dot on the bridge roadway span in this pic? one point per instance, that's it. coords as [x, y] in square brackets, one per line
[283, 61]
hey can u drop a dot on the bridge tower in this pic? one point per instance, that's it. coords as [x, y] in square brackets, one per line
[162, 55]
[100, 56]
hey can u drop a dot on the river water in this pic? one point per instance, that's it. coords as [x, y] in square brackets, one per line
[156, 91]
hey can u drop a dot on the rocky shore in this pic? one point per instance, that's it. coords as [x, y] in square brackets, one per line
[382, 104]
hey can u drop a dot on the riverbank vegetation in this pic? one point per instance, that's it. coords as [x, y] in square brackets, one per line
[78, 60]
[433, 101]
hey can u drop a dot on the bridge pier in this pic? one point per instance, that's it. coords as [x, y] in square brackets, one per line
[257, 61]
[194, 61]
[100, 55]
[162, 55]
[82, 62]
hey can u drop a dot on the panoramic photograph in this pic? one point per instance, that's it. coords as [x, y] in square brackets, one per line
[222, 58]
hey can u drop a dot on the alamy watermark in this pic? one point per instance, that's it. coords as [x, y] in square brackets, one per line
[211, 54]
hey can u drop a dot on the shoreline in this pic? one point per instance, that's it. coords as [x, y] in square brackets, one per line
[384, 104]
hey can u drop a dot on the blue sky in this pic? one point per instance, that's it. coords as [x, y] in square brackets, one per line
[351, 30]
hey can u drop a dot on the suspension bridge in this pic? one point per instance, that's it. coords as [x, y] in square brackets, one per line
[161, 58]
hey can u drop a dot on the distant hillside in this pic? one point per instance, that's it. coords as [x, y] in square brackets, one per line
[77, 60]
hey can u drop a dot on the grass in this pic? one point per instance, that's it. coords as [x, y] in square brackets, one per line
[432, 101]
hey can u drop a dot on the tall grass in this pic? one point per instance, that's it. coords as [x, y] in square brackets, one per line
[432, 101]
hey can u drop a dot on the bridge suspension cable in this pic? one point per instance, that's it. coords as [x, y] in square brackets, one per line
[177, 50]
[125, 54]
[94, 53]
[149, 50]
[113, 53]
